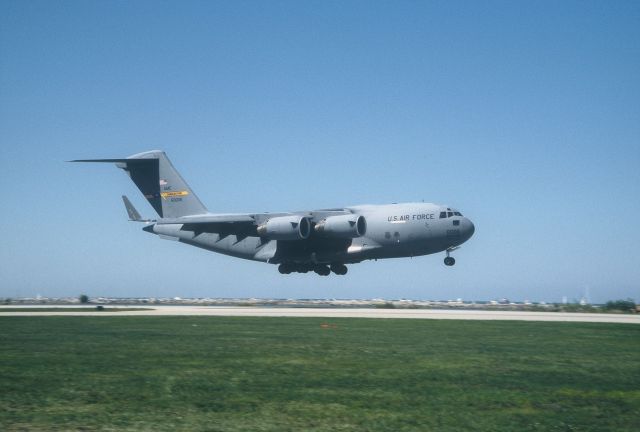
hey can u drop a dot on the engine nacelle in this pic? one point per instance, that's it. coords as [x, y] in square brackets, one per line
[343, 226]
[285, 228]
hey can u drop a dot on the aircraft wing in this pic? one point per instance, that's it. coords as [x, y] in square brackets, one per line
[231, 224]
[237, 224]
[207, 219]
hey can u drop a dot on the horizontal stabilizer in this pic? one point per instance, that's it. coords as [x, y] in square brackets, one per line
[101, 160]
[159, 182]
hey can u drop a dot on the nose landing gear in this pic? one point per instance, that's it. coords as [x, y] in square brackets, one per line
[449, 260]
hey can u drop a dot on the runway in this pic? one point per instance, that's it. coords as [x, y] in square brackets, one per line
[341, 313]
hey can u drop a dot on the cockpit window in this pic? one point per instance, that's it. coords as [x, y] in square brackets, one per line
[449, 213]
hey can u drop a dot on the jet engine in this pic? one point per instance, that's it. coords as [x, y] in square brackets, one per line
[285, 228]
[343, 226]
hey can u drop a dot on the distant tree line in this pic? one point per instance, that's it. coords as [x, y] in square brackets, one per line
[627, 305]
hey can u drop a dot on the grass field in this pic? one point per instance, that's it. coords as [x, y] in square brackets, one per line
[294, 374]
[71, 309]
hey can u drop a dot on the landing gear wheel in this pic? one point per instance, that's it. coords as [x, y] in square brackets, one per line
[284, 269]
[303, 268]
[339, 269]
[322, 270]
[449, 261]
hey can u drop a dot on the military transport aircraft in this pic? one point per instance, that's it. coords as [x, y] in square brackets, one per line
[322, 241]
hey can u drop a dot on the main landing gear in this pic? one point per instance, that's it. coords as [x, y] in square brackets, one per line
[449, 260]
[320, 269]
[339, 269]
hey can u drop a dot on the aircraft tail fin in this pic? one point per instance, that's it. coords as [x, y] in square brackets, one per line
[160, 183]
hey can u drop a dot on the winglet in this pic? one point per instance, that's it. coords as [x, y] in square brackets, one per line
[131, 211]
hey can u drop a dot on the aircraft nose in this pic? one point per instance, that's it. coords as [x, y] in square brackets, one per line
[469, 229]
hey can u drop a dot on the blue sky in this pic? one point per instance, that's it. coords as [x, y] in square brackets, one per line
[524, 115]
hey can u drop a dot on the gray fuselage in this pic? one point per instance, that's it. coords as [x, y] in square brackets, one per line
[392, 231]
[322, 241]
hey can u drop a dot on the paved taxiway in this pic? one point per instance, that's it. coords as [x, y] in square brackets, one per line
[344, 313]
